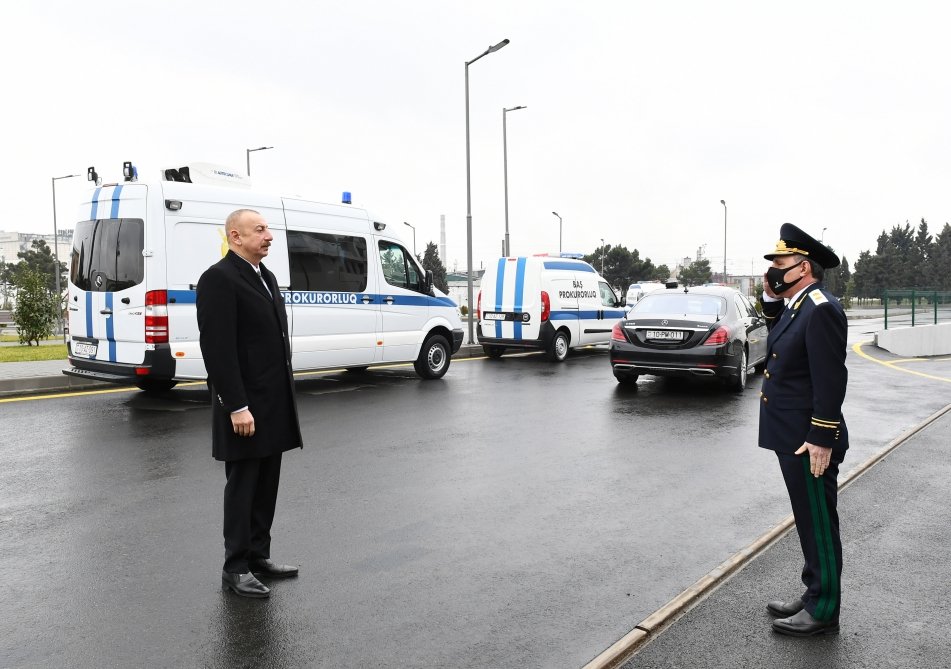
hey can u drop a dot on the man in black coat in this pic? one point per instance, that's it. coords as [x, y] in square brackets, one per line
[801, 419]
[245, 345]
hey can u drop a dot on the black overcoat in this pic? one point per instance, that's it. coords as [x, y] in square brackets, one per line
[805, 377]
[245, 345]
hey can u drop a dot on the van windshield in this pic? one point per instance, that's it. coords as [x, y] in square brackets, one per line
[107, 255]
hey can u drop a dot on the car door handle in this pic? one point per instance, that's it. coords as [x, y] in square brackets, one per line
[106, 312]
[366, 299]
[388, 299]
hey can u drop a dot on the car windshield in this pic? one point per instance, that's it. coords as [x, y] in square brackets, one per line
[680, 303]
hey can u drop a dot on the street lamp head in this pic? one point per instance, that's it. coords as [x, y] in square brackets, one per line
[555, 213]
[493, 49]
[723, 202]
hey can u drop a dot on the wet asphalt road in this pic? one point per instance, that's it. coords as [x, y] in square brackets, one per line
[514, 514]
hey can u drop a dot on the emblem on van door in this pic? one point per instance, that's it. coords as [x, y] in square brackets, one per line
[99, 281]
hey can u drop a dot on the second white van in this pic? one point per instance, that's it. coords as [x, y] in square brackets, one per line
[548, 303]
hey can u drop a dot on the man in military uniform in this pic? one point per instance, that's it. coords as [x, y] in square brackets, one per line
[801, 419]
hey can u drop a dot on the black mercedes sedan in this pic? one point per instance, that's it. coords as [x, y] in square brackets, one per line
[710, 331]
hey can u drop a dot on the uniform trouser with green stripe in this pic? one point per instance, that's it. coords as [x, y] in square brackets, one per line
[814, 508]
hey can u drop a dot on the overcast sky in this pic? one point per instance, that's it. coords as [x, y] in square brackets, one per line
[640, 118]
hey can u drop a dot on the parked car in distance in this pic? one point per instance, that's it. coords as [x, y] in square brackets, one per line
[710, 331]
[638, 290]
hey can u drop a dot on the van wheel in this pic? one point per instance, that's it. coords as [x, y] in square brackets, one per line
[558, 349]
[433, 360]
[493, 351]
[737, 382]
[156, 385]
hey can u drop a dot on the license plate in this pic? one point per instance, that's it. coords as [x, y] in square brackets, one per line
[667, 335]
[85, 348]
[494, 317]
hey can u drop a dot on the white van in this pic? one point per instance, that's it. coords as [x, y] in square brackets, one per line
[546, 303]
[355, 296]
[638, 290]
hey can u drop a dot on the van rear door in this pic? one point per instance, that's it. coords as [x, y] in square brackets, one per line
[107, 277]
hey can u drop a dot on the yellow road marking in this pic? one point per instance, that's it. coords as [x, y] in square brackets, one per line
[893, 364]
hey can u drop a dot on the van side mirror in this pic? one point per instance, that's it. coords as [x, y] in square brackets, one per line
[428, 283]
[622, 302]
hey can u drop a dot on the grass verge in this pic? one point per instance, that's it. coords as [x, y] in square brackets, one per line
[32, 353]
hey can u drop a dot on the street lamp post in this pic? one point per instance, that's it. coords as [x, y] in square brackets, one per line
[822, 239]
[414, 236]
[507, 251]
[602, 256]
[723, 202]
[248, 153]
[491, 49]
[559, 231]
[59, 295]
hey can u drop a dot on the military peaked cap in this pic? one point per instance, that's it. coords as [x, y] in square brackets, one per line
[794, 241]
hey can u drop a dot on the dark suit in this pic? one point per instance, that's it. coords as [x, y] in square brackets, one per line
[801, 401]
[246, 349]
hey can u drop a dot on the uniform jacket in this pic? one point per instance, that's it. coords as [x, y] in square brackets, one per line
[245, 345]
[805, 377]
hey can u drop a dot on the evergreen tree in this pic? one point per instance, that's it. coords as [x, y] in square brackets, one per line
[696, 273]
[432, 262]
[35, 312]
[39, 258]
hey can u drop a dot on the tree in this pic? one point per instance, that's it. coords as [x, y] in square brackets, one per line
[661, 273]
[941, 260]
[696, 273]
[621, 267]
[39, 258]
[35, 312]
[432, 262]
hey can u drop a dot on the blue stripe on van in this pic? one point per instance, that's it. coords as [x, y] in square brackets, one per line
[519, 295]
[111, 327]
[181, 296]
[88, 314]
[575, 266]
[95, 206]
[115, 202]
[499, 279]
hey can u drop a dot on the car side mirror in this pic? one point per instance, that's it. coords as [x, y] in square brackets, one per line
[622, 302]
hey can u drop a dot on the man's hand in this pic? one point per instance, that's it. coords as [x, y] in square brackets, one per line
[243, 423]
[819, 457]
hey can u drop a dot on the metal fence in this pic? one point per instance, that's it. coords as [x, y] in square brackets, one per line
[911, 307]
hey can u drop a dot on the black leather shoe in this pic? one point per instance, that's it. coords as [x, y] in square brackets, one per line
[245, 585]
[803, 624]
[784, 609]
[270, 568]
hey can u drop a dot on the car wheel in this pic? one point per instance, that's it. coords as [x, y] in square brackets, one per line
[626, 379]
[433, 360]
[737, 382]
[493, 351]
[155, 385]
[558, 349]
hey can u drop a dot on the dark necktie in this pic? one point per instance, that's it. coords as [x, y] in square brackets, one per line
[257, 270]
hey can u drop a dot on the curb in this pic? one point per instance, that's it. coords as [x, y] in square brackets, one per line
[63, 383]
[627, 646]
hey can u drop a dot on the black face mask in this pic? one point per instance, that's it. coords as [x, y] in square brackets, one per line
[774, 276]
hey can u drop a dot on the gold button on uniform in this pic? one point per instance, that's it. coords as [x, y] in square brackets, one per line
[766, 374]
[775, 356]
